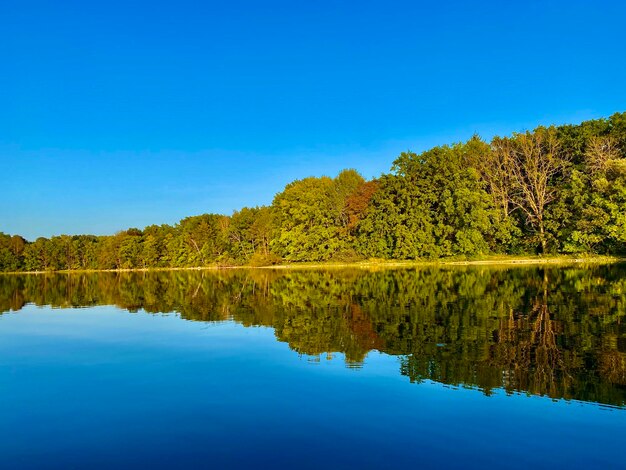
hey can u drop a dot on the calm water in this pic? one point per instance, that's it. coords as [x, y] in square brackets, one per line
[462, 367]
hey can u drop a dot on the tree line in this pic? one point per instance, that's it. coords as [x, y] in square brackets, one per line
[547, 331]
[557, 189]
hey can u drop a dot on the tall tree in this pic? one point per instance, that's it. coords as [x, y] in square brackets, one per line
[536, 162]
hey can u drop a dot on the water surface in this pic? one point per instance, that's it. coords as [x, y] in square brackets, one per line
[456, 367]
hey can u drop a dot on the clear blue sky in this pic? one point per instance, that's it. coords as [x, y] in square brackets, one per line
[119, 114]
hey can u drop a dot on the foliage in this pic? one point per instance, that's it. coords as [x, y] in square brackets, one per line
[433, 205]
[556, 189]
[313, 217]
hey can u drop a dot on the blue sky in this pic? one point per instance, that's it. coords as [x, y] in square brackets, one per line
[119, 114]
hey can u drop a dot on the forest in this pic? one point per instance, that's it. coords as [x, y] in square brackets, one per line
[553, 190]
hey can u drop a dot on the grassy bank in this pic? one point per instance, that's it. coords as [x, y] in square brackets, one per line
[495, 260]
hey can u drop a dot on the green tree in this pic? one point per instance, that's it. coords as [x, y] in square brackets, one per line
[312, 217]
[434, 204]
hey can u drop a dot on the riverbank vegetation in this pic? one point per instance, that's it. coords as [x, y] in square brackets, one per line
[554, 190]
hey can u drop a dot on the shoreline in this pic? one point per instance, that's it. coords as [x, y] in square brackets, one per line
[505, 261]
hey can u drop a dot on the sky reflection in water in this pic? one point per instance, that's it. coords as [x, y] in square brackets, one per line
[250, 384]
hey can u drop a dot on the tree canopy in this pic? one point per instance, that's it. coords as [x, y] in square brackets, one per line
[551, 190]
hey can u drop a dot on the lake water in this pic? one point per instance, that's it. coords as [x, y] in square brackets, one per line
[406, 368]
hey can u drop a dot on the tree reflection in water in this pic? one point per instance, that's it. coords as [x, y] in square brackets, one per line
[552, 331]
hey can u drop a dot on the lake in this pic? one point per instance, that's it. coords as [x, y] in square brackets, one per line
[336, 368]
